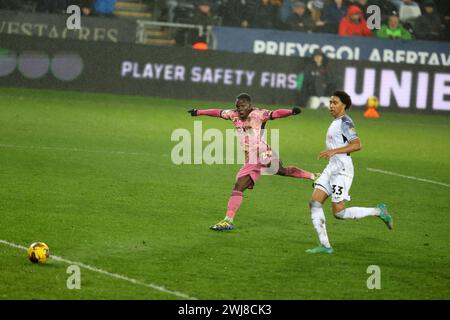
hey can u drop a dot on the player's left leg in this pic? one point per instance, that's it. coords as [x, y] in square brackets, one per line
[295, 172]
[234, 203]
[242, 184]
[340, 194]
[340, 212]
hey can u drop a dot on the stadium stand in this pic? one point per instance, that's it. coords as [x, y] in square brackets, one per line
[421, 19]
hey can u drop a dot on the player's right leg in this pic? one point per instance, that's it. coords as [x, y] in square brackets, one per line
[295, 172]
[233, 204]
[318, 197]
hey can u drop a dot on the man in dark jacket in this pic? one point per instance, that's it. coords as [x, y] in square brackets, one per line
[318, 80]
[428, 26]
[202, 17]
[239, 13]
[333, 13]
[265, 16]
[299, 20]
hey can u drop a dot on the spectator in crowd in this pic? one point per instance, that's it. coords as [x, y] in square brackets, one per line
[265, 17]
[203, 17]
[239, 13]
[354, 24]
[407, 9]
[316, 8]
[104, 8]
[185, 11]
[285, 11]
[443, 8]
[428, 26]
[333, 13]
[393, 30]
[299, 19]
[318, 81]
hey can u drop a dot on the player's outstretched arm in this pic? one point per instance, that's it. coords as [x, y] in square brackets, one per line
[283, 113]
[208, 112]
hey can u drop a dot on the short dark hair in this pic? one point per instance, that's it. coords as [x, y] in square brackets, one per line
[345, 98]
[244, 96]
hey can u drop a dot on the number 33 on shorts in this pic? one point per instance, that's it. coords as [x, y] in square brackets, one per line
[337, 190]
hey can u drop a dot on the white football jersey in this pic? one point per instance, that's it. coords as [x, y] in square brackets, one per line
[339, 134]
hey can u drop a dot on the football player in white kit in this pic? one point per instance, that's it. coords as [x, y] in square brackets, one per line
[336, 180]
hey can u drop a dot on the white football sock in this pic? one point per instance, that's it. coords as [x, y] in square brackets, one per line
[357, 213]
[318, 220]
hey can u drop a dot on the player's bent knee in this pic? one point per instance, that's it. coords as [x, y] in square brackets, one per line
[338, 208]
[339, 215]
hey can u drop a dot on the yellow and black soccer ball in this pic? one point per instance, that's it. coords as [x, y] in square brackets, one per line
[373, 102]
[38, 252]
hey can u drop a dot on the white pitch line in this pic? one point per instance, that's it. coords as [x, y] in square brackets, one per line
[76, 150]
[113, 275]
[409, 177]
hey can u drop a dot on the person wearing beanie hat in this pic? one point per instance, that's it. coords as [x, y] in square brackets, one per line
[299, 20]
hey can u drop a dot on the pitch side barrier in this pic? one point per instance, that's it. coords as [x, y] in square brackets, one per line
[210, 75]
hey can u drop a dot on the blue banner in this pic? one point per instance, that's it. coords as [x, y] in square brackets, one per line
[299, 44]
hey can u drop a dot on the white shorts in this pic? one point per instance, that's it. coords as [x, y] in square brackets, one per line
[336, 183]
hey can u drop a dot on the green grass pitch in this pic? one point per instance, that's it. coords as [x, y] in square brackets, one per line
[91, 175]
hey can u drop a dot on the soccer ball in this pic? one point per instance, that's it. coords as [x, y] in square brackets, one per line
[38, 252]
[373, 102]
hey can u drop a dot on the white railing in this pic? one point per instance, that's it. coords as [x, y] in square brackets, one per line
[146, 25]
